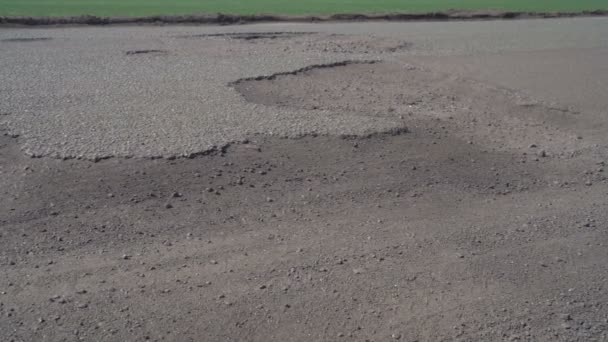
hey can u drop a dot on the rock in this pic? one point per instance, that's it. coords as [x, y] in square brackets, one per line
[176, 195]
[168, 206]
[396, 336]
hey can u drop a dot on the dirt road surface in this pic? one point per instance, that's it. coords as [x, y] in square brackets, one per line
[305, 182]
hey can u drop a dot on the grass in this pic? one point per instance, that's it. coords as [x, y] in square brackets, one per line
[157, 7]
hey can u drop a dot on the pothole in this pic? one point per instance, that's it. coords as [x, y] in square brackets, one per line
[26, 40]
[143, 52]
[301, 71]
[351, 44]
[469, 109]
[345, 86]
[249, 36]
[315, 42]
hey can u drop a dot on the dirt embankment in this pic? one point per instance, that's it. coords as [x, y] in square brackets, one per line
[229, 19]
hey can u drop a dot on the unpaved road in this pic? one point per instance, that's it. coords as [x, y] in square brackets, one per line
[331, 182]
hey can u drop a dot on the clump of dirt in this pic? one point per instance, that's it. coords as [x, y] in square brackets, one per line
[143, 52]
[26, 40]
[250, 35]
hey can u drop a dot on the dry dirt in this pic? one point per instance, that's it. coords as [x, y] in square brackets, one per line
[481, 216]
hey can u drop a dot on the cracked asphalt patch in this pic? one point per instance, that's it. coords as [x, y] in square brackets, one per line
[82, 100]
[89, 103]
